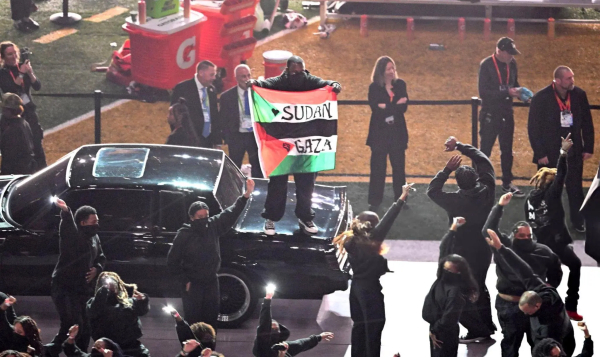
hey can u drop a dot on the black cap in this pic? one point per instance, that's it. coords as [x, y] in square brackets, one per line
[197, 206]
[508, 44]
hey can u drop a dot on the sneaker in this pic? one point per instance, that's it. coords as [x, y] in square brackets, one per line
[513, 189]
[580, 228]
[31, 24]
[308, 226]
[573, 315]
[469, 338]
[269, 227]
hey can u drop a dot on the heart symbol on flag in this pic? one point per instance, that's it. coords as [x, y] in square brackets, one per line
[275, 111]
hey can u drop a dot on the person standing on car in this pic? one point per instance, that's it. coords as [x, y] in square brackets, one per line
[387, 130]
[16, 140]
[80, 261]
[195, 257]
[364, 244]
[498, 85]
[19, 79]
[295, 78]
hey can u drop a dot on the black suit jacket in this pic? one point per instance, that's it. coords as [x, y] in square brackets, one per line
[229, 113]
[189, 90]
[545, 129]
[382, 134]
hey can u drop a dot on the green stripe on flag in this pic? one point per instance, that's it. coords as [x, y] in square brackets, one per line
[305, 164]
[263, 110]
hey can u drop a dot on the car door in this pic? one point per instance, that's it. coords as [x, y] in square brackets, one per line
[125, 219]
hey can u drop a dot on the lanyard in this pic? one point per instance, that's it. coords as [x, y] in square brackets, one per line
[561, 105]
[13, 76]
[498, 71]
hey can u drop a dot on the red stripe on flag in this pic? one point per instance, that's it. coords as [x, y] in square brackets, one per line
[317, 96]
[271, 151]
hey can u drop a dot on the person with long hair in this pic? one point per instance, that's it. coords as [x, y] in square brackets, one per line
[23, 334]
[387, 130]
[545, 212]
[364, 245]
[103, 347]
[549, 347]
[13, 353]
[201, 332]
[115, 311]
[182, 130]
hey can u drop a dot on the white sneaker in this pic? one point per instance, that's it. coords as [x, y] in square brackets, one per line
[269, 227]
[308, 227]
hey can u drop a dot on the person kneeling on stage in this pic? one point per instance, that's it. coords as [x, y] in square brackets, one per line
[540, 258]
[545, 212]
[541, 302]
[103, 347]
[364, 245]
[271, 336]
[455, 284]
[550, 348]
[115, 313]
[201, 332]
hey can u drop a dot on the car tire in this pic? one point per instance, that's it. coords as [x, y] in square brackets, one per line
[238, 298]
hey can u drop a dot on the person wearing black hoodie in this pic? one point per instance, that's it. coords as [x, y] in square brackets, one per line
[115, 312]
[545, 212]
[23, 334]
[195, 257]
[443, 305]
[103, 347]
[541, 302]
[473, 201]
[10, 318]
[540, 258]
[363, 243]
[200, 332]
[551, 348]
[80, 261]
[271, 336]
[295, 78]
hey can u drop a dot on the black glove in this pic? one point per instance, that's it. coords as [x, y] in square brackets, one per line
[336, 87]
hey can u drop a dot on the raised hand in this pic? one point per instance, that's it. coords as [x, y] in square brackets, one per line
[505, 199]
[62, 204]
[405, 190]
[73, 331]
[457, 222]
[8, 302]
[450, 143]
[327, 336]
[249, 187]
[493, 241]
[566, 143]
[337, 88]
[454, 162]
[583, 327]
[190, 345]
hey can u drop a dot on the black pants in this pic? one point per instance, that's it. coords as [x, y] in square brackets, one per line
[239, 143]
[201, 303]
[378, 172]
[30, 115]
[71, 308]
[573, 186]
[277, 196]
[449, 347]
[571, 260]
[502, 127]
[514, 324]
[592, 226]
[477, 317]
[367, 311]
[20, 9]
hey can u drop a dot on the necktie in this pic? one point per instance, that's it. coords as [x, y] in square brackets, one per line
[246, 103]
[206, 113]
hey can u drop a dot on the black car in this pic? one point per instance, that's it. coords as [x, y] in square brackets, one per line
[142, 193]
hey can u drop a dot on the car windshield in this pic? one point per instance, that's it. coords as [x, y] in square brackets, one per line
[231, 184]
[31, 198]
[121, 162]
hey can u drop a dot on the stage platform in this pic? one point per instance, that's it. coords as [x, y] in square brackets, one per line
[405, 331]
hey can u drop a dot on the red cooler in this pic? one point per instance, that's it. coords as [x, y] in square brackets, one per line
[165, 51]
[275, 62]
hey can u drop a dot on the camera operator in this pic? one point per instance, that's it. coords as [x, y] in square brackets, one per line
[18, 78]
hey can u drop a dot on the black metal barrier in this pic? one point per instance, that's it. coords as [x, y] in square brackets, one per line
[474, 102]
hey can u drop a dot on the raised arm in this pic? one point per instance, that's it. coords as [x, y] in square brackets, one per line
[447, 243]
[303, 344]
[67, 229]
[383, 227]
[556, 188]
[493, 220]
[435, 190]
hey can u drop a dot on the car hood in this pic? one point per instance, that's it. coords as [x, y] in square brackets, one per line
[5, 180]
[330, 204]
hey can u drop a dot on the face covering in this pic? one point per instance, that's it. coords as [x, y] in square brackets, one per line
[297, 80]
[200, 225]
[451, 278]
[90, 231]
[523, 245]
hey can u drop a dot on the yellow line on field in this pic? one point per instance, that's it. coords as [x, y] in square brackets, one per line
[103, 16]
[55, 35]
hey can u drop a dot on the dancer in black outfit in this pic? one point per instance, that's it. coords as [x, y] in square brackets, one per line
[544, 210]
[387, 130]
[363, 244]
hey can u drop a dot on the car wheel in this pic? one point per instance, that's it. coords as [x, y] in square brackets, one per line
[238, 298]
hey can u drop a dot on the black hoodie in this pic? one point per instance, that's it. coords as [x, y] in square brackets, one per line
[266, 338]
[473, 204]
[553, 230]
[540, 258]
[283, 83]
[78, 253]
[10, 318]
[71, 350]
[196, 254]
[8, 337]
